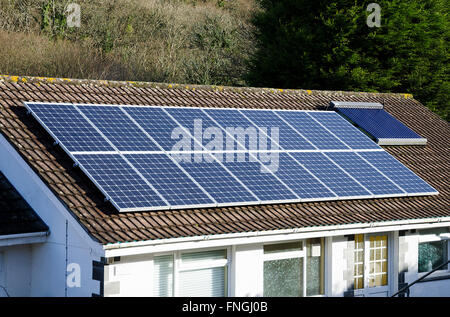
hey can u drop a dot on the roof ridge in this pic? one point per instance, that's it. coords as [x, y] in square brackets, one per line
[215, 88]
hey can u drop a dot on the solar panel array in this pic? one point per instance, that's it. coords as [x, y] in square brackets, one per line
[381, 125]
[156, 158]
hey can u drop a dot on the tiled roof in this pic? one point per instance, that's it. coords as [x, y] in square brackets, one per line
[16, 216]
[105, 224]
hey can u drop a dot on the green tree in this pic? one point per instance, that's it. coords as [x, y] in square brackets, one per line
[326, 44]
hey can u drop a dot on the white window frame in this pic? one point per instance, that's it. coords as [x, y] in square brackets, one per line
[179, 267]
[280, 255]
[424, 238]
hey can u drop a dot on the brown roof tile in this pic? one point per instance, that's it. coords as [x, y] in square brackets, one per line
[105, 224]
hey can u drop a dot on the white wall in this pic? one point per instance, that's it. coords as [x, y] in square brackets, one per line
[48, 260]
[247, 270]
[431, 289]
[338, 266]
[439, 288]
[15, 275]
[131, 276]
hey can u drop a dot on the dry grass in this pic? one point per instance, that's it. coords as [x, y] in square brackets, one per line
[204, 42]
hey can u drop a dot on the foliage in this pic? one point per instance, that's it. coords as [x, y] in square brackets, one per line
[198, 42]
[328, 45]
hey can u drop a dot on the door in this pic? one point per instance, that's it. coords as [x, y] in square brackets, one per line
[371, 269]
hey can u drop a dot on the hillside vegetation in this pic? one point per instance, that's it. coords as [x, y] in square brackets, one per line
[324, 45]
[198, 42]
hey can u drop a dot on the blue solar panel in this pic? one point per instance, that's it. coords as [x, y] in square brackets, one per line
[346, 132]
[118, 128]
[330, 174]
[399, 173]
[311, 130]
[119, 181]
[368, 176]
[287, 138]
[203, 129]
[299, 180]
[169, 180]
[219, 183]
[70, 128]
[156, 123]
[241, 130]
[139, 180]
[259, 180]
[379, 123]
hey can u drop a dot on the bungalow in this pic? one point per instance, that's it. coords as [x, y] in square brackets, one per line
[66, 231]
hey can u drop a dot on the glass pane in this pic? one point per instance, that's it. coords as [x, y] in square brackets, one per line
[384, 279]
[378, 254]
[360, 257]
[384, 255]
[378, 267]
[163, 276]
[435, 231]
[431, 255]
[359, 262]
[378, 280]
[209, 282]
[283, 278]
[203, 256]
[371, 282]
[359, 283]
[314, 267]
[283, 247]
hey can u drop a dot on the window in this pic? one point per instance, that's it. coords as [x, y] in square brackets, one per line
[376, 258]
[294, 269]
[163, 276]
[191, 274]
[203, 274]
[433, 249]
[378, 261]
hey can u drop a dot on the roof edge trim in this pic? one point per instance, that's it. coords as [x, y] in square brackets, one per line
[193, 87]
[265, 236]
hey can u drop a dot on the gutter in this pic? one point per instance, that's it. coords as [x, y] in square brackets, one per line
[23, 238]
[185, 243]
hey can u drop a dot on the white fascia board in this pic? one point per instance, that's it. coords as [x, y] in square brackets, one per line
[23, 238]
[360, 105]
[402, 141]
[223, 240]
[24, 179]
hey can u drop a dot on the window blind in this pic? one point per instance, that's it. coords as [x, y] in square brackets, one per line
[204, 282]
[163, 276]
[203, 274]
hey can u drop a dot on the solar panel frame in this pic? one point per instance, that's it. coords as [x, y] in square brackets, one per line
[386, 168]
[346, 133]
[243, 203]
[323, 141]
[285, 144]
[159, 169]
[123, 140]
[321, 161]
[364, 173]
[53, 133]
[108, 197]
